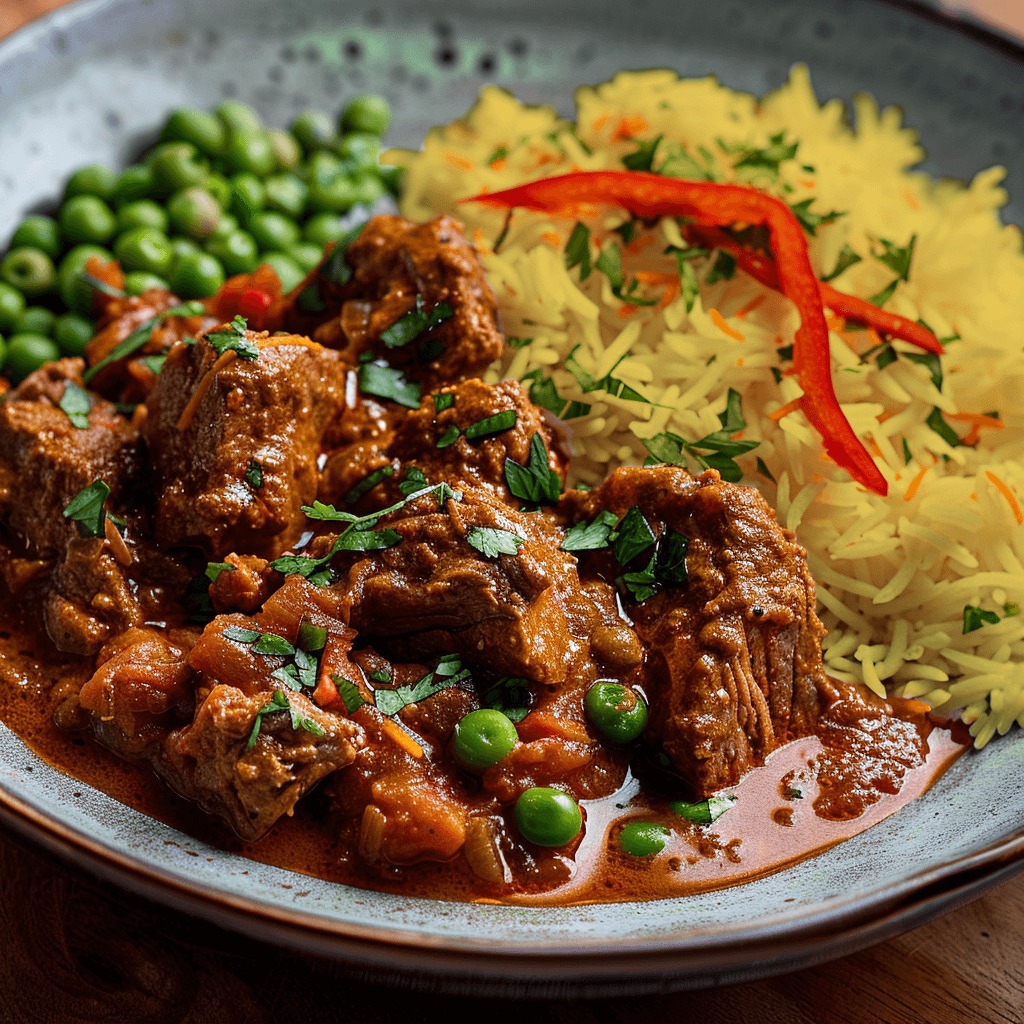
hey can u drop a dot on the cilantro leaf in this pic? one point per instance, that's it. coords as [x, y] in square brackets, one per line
[689, 285]
[846, 259]
[254, 475]
[577, 250]
[233, 338]
[769, 159]
[349, 694]
[723, 269]
[590, 536]
[491, 425]
[932, 362]
[640, 584]
[811, 221]
[411, 325]
[280, 702]
[240, 634]
[443, 400]
[609, 262]
[311, 637]
[670, 560]
[367, 484]
[642, 159]
[449, 672]
[491, 542]
[449, 437]
[763, 469]
[609, 384]
[378, 379]
[535, 483]
[897, 258]
[518, 342]
[269, 644]
[938, 423]
[633, 536]
[76, 404]
[703, 812]
[509, 695]
[214, 569]
[975, 618]
[335, 269]
[544, 393]
[413, 482]
[86, 509]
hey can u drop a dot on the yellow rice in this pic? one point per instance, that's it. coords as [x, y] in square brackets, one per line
[894, 574]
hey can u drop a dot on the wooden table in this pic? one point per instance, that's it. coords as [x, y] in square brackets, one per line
[75, 949]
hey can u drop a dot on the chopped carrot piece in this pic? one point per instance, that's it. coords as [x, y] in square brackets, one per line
[915, 484]
[553, 238]
[719, 321]
[401, 737]
[601, 121]
[458, 160]
[911, 199]
[749, 307]
[630, 126]
[784, 410]
[1011, 498]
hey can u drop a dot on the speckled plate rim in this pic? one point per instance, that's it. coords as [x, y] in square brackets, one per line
[601, 966]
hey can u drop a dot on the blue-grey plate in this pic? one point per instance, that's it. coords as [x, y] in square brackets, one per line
[91, 82]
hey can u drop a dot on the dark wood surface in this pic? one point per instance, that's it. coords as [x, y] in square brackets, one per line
[75, 949]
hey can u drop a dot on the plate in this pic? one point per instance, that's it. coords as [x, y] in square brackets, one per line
[92, 81]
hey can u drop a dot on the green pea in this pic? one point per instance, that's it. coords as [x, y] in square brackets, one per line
[133, 183]
[643, 838]
[237, 117]
[287, 152]
[306, 255]
[220, 188]
[86, 219]
[289, 273]
[29, 270]
[139, 281]
[144, 249]
[360, 150]
[203, 130]
[76, 293]
[249, 151]
[12, 305]
[38, 232]
[286, 193]
[27, 352]
[323, 228]
[196, 276]
[248, 196]
[548, 817]
[194, 212]
[72, 333]
[366, 114]
[91, 180]
[482, 738]
[236, 251]
[273, 231]
[143, 213]
[336, 194]
[226, 225]
[176, 166]
[618, 712]
[312, 129]
[184, 247]
[368, 188]
[35, 320]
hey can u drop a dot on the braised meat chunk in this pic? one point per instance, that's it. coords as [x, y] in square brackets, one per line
[234, 440]
[733, 655]
[252, 776]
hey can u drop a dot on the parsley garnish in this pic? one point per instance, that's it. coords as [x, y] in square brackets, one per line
[632, 536]
[846, 259]
[86, 509]
[670, 561]
[378, 379]
[937, 423]
[491, 425]
[609, 262]
[907, 456]
[897, 258]
[535, 483]
[510, 696]
[491, 542]
[642, 159]
[930, 360]
[703, 812]
[689, 285]
[254, 475]
[609, 384]
[449, 437]
[382, 675]
[639, 583]
[975, 618]
[411, 325]
[590, 536]
[518, 342]
[76, 404]
[498, 154]
[763, 469]
[269, 644]
[449, 672]
[678, 163]
[214, 569]
[723, 269]
[234, 339]
[413, 481]
[577, 251]
[280, 702]
[335, 269]
[443, 400]
[141, 336]
[811, 221]
[766, 160]
[349, 694]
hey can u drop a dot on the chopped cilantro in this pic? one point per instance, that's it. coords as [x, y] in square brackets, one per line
[76, 404]
[310, 300]
[678, 163]
[535, 483]
[632, 537]
[763, 469]
[932, 362]
[443, 400]
[1011, 608]
[335, 269]
[491, 542]
[450, 436]
[413, 481]
[509, 695]
[640, 584]
[897, 258]
[882, 297]
[311, 637]
[280, 702]
[155, 363]
[907, 456]
[349, 694]
[498, 154]
[689, 285]
[415, 323]
[846, 259]
[670, 561]
[269, 644]
[811, 221]
[378, 379]
[703, 812]
[938, 423]
[254, 474]
[544, 393]
[975, 618]
[491, 425]
[642, 159]
[577, 251]
[86, 509]
[609, 262]
[766, 160]
[609, 384]
[234, 339]
[518, 342]
[723, 269]
[382, 675]
[367, 484]
[449, 672]
[590, 536]
[214, 569]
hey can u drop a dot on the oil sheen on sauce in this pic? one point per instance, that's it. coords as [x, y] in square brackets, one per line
[771, 824]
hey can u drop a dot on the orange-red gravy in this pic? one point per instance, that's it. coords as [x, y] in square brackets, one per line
[768, 828]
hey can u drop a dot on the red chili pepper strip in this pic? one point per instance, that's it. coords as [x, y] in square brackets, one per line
[849, 306]
[650, 196]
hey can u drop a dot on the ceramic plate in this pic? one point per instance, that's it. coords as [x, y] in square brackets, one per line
[92, 82]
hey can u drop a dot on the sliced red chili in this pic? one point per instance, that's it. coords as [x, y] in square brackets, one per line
[715, 205]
